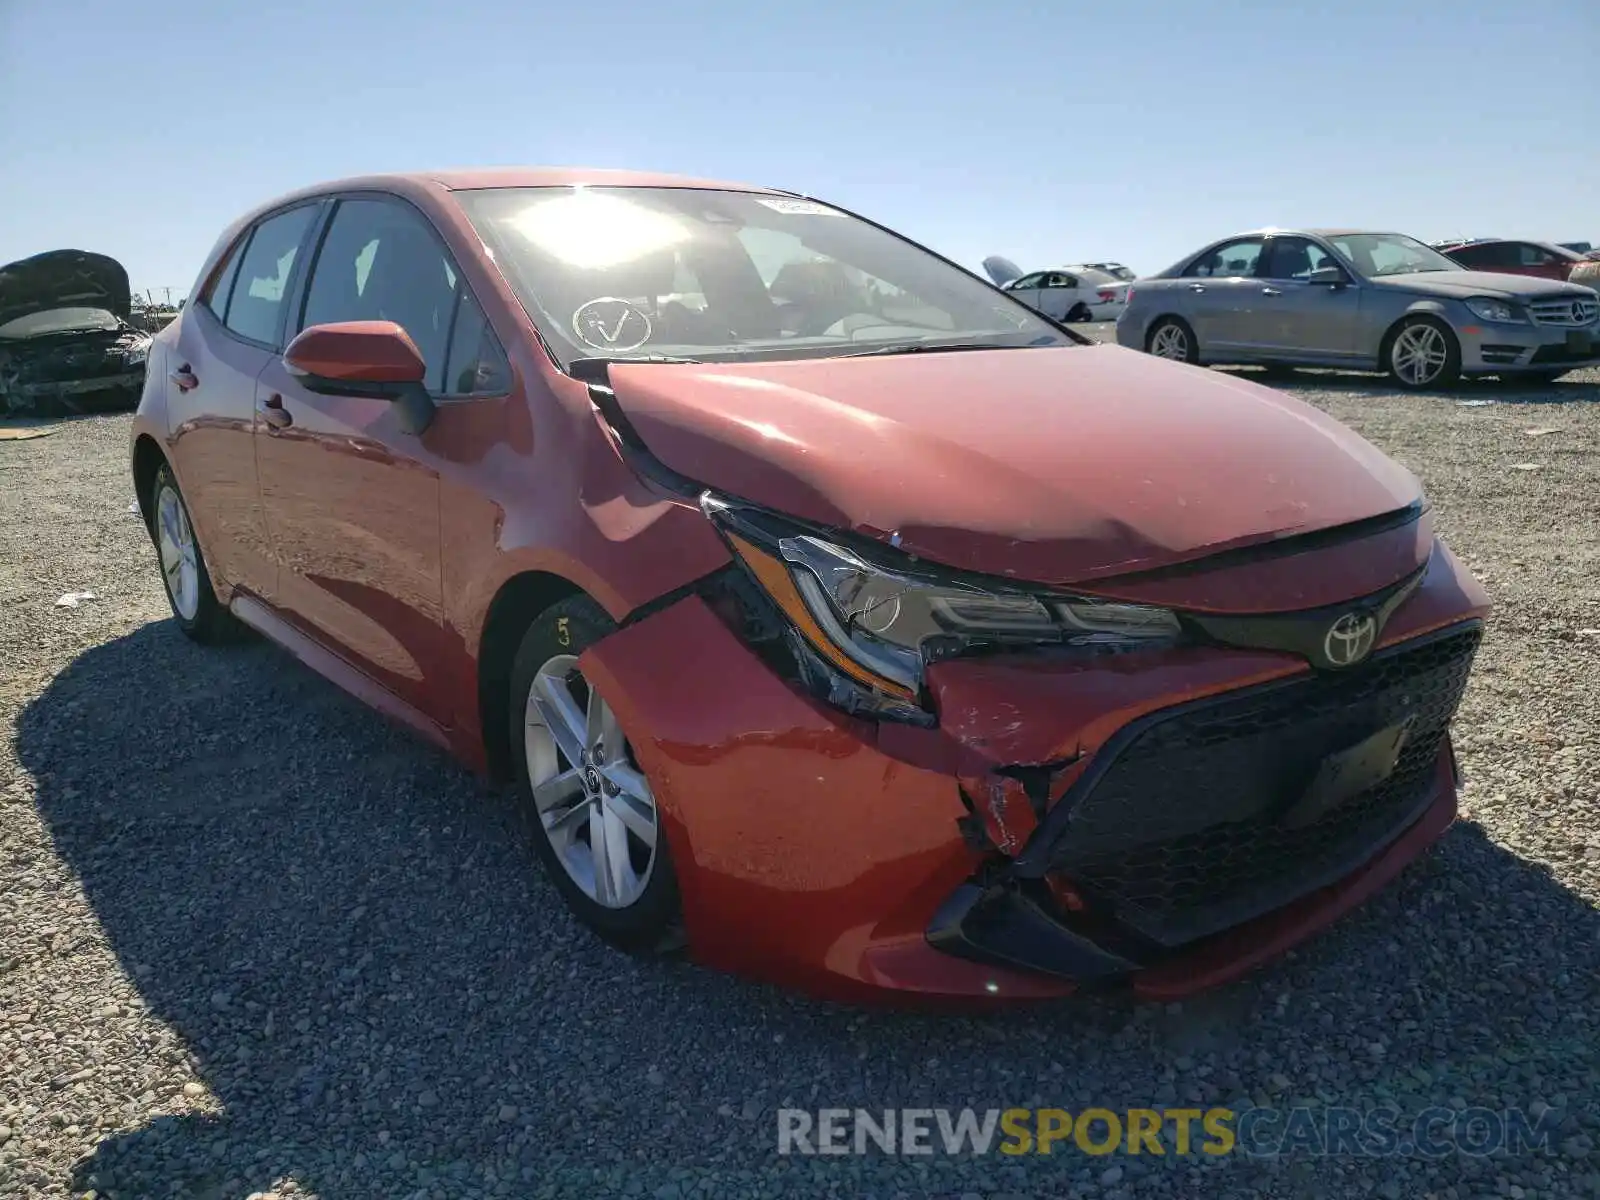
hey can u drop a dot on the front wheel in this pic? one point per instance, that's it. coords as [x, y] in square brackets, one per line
[1171, 338]
[1423, 353]
[597, 828]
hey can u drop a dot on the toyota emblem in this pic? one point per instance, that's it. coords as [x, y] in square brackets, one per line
[1349, 639]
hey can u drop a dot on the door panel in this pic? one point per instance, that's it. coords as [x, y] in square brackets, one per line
[1059, 295]
[1222, 295]
[1295, 318]
[1028, 292]
[224, 341]
[353, 505]
[214, 452]
[352, 500]
[1308, 319]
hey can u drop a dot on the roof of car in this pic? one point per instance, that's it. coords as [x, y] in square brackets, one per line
[1323, 233]
[1555, 246]
[466, 178]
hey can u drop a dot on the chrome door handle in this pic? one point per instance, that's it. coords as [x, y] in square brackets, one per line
[1266, 291]
[1197, 287]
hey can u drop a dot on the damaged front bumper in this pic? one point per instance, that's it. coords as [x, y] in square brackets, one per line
[70, 372]
[977, 860]
[131, 380]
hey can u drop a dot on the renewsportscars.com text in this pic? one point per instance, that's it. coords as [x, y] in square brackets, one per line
[1256, 1132]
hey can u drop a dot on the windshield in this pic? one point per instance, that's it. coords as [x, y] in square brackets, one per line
[59, 320]
[728, 276]
[1378, 254]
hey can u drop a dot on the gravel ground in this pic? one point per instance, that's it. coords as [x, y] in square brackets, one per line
[254, 940]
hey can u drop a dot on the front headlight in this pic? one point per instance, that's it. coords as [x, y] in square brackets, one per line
[136, 355]
[882, 625]
[1485, 308]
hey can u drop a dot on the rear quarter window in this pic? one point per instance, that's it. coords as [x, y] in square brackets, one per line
[215, 296]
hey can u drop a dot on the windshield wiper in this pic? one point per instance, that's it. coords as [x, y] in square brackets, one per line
[943, 348]
[593, 370]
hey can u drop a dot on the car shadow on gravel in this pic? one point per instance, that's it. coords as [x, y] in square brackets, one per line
[385, 998]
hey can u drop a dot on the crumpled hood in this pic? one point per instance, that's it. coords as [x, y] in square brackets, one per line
[1480, 283]
[1053, 465]
[63, 279]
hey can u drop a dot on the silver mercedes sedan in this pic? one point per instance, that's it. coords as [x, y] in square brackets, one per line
[1364, 301]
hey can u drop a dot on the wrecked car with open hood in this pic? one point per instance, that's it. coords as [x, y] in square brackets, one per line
[834, 614]
[66, 344]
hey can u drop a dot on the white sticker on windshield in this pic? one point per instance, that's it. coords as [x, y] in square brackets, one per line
[797, 208]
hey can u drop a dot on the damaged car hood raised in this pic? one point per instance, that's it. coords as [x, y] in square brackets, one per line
[1054, 465]
[63, 279]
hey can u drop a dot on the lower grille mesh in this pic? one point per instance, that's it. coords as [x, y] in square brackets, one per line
[1181, 835]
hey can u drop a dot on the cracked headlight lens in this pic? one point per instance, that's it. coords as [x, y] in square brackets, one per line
[882, 626]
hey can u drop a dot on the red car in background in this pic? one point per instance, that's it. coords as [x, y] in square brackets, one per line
[869, 633]
[1544, 259]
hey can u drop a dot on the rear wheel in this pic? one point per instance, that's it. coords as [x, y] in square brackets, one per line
[1079, 312]
[1423, 352]
[183, 570]
[596, 825]
[1171, 338]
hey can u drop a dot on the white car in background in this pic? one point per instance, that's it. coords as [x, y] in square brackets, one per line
[1076, 293]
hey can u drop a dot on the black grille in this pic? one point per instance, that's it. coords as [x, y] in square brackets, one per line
[1181, 835]
[1565, 354]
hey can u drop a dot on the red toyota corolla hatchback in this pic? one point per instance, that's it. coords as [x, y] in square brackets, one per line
[839, 617]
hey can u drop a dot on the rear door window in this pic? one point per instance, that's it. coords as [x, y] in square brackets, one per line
[1239, 258]
[255, 309]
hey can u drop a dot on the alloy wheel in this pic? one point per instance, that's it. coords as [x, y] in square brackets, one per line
[180, 561]
[593, 802]
[1419, 354]
[1171, 342]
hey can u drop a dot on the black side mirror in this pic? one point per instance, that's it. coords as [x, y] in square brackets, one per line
[1332, 276]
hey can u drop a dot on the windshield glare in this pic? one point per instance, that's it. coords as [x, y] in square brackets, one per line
[726, 276]
[1379, 254]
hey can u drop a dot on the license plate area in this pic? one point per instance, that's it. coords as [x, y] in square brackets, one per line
[1346, 774]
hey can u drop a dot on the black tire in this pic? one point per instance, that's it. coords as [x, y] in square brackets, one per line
[1080, 312]
[1448, 375]
[210, 624]
[652, 923]
[1174, 327]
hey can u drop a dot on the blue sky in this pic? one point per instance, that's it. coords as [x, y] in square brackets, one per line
[1047, 132]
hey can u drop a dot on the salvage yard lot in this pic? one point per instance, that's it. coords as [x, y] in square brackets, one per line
[253, 938]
